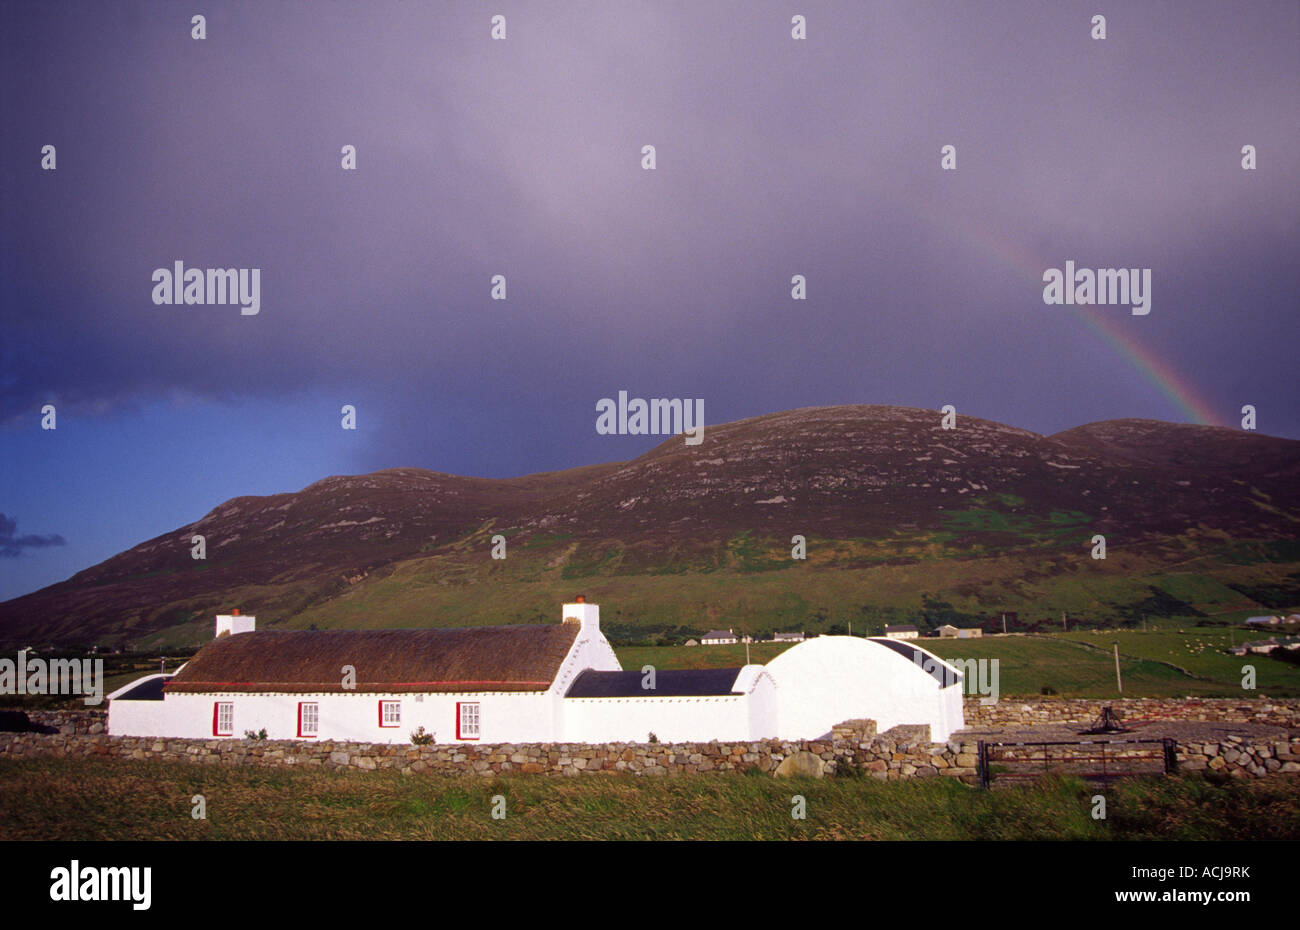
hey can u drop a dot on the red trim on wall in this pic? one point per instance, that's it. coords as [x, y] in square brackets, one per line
[216, 716]
[469, 684]
[301, 734]
[459, 735]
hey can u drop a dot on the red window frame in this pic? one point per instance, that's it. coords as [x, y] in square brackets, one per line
[216, 717]
[459, 734]
[301, 705]
[390, 726]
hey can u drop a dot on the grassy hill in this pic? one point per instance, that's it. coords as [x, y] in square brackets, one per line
[902, 522]
[1163, 663]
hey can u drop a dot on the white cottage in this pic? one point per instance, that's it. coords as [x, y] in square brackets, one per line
[516, 684]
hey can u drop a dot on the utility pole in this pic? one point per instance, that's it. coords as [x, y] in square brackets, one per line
[850, 627]
[746, 652]
[1004, 624]
[1063, 626]
[1118, 681]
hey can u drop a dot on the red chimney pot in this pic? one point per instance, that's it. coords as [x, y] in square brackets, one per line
[580, 599]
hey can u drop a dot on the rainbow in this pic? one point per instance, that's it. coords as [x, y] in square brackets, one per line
[1159, 373]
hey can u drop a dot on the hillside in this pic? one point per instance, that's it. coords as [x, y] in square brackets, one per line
[902, 519]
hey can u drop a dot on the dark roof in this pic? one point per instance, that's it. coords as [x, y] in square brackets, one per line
[495, 658]
[150, 689]
[900, 628]
[939, 672]
[668, 683]
[718, 634]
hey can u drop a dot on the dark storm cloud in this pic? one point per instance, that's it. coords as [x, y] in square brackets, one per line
[11, 546]
[521, 158]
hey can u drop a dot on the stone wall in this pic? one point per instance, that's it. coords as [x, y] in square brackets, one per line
[1012, 712]
[1241, 757]
[81, 722]
[903, 752]
[891, 755]
[896, 754]
[1008, 712]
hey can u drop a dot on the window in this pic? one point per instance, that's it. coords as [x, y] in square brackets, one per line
[308, 719]
[466, 721]
[223, 718]
[390, 713]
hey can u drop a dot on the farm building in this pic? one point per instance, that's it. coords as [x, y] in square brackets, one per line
[1263, 621]
[948, 631]
[788, 637]
[901, 631]
[719, 638]
[541, 683]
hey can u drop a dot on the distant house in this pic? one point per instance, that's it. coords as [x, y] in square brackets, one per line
[901, 631]
[787, 637]
[1263, 621]
[1263, 646]
[948, 631]
[719, 638]
[1292, 618]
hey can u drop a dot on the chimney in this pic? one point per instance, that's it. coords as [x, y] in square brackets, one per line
[580, 612]
[233, 623]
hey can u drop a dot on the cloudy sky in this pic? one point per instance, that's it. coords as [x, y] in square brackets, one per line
[522, 157]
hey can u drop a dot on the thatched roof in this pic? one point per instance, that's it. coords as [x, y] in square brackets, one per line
[498, 658]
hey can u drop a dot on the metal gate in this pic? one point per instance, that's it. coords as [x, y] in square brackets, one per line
[1093, 759]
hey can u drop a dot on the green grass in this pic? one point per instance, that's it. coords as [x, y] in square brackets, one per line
[1063, 662]
[83, 799]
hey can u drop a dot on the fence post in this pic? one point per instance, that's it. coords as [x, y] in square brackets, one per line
[1171, 756]
[982, 762]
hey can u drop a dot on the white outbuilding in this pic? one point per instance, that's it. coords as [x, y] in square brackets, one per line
[830, 679]
[539, 683]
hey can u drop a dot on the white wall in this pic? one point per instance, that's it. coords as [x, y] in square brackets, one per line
[235, 624]
[504, 717]
[830, 679]
[672, 719]
[764, 707]
[747, 716]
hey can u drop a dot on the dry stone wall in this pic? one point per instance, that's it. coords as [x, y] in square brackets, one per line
[891, 755]
[1010, 712]
[895, 754]
[854, 745]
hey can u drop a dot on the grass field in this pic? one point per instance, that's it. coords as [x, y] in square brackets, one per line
[1159, 663]
[82, 799]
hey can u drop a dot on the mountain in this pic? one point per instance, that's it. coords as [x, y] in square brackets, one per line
[901, 519]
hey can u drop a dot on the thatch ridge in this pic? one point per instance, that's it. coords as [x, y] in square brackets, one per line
[494, 658]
